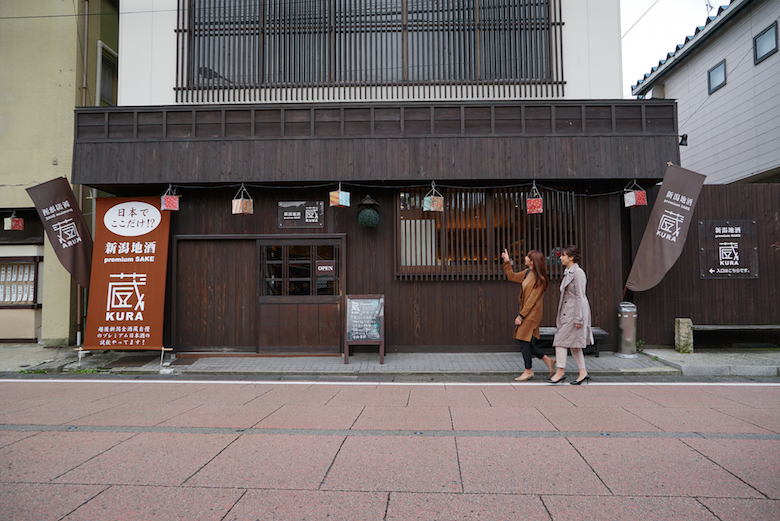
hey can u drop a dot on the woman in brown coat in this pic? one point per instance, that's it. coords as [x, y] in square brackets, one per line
[534, 283]
[573, 321]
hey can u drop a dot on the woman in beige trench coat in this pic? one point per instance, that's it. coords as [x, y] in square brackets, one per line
[534, 283]
[573, 320]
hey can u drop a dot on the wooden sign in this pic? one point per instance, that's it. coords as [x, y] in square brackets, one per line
[365, 323]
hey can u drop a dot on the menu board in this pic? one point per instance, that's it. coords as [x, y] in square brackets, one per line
[364, 315]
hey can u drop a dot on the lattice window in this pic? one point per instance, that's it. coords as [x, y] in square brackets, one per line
[466, 239]
[293, 44]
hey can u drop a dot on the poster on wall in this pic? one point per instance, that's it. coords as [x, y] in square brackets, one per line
[129, 263]
[728, 249]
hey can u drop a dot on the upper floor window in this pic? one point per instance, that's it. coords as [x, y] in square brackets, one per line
[246, 44]
[765, 44]
[716, 77]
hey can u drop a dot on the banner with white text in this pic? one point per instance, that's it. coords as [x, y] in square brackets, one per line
[129, 264]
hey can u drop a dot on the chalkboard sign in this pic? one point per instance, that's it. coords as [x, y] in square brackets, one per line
[365, 323]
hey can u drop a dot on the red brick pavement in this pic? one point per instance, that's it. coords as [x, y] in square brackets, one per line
[245, 451]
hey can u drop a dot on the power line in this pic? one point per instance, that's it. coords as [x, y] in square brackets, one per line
[640, 18]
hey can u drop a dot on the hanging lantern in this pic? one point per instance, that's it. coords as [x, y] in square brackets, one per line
[242, 202]
[534, 204]
[433, 200]
[13, 223]
[634, 195]
[339, 198]
[169, 200]
[368, 216]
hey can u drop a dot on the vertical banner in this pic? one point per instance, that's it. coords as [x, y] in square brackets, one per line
[65, 226]
[667, 230]
[127, 297]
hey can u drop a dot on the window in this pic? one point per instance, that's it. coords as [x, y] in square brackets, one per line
[765, 44]
[466, 239]
[310, 43]
[300, 269]
[716, 77]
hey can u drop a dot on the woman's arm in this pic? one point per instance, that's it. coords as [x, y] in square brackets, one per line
[530, 302]
[578, 293]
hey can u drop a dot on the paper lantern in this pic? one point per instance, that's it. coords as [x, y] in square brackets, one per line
[339, 198]
[634, 195]
[534, 204]
[13, 223]
[243, 204]
[169, 200]
[433, 200]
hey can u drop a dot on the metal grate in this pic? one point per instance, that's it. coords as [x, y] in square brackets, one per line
[314, 50]
[466, 239]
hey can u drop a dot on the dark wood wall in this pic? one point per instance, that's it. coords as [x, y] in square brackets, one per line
[615, 139]
[684, 294]
[450, 315]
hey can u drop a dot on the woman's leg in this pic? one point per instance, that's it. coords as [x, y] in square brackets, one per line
[535, 351]
[560, 363]
[526, 349]
[579, 358]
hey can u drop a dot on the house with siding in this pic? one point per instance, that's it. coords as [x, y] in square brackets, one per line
[486, 104]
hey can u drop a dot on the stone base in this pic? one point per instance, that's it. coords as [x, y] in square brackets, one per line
[683, 335]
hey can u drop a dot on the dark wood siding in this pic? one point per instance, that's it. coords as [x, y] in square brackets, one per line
[684, 294]
[352, 142]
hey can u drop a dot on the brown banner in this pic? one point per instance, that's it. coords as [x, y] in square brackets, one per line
[667, 230]
[127, 298]
[65, 226]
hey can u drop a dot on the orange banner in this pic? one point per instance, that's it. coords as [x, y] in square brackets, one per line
[129, 263]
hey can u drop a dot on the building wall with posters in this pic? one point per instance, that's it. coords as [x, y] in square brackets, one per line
[36, 144]
[214, 114]
[724, 78]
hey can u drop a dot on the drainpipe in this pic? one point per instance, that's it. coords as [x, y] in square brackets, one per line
[79, 321]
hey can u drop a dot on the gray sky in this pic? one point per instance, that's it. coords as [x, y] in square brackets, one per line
[657, 33]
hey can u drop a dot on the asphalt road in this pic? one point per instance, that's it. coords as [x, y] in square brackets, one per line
[94, 447]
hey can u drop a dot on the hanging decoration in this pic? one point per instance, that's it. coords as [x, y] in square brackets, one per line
[368, 216]
[13, 223]
[242, 202]
[339, 198]
[433, 200]
[534, 204]
[169, 200]
[634, 195]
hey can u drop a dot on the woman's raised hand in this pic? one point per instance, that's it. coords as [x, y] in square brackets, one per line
[505, 255]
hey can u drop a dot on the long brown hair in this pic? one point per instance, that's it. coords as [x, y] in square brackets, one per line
[539, 268]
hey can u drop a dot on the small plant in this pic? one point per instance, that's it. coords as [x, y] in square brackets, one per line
[654, 359]
[89, 371]
[32, 371]
[640, 345]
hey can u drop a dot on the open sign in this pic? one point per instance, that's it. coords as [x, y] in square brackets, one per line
[326, 267]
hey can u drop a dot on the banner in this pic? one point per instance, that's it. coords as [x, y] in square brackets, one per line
[664, 237]
[65, 226]
[127, 298]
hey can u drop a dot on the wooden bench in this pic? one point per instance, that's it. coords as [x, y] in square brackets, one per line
[546, 334]
[684, 329]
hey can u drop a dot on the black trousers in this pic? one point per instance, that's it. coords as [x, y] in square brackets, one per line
[529, 351]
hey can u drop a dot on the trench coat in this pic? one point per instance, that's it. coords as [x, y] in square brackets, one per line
[573, 308]
[531, 302]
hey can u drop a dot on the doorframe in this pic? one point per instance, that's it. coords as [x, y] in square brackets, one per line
[257, 238]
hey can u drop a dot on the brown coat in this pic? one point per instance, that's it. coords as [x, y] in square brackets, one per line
[531, 303]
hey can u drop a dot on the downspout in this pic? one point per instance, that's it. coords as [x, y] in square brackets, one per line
[79, 321]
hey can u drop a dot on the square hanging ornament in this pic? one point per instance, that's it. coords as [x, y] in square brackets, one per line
[433, 200]
[634, 195]
[13, 223]
[243, 204]
[339, 198]
[534, 204]
[169, 200]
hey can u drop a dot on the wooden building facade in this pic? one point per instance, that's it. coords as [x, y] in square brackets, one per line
[250, 284]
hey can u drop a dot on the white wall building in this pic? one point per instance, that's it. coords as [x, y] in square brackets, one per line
[725, 81]
[590, 61]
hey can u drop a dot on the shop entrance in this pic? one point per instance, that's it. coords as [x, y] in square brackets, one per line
[277, 294]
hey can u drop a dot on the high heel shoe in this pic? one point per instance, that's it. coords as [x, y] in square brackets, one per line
[583, 379]
[559, 380]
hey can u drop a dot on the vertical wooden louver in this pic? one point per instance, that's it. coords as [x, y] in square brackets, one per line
[465, 241]
[316, 50]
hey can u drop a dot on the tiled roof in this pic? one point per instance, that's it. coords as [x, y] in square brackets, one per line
[677, 51]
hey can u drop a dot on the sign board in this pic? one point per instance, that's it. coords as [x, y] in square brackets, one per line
[129, 264]
[301, 214]
[365, 323]
[728, 249]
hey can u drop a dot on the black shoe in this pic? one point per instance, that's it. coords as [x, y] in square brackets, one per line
[583, 379]
[559, 380]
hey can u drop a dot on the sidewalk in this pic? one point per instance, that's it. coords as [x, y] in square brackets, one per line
[15, 358]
